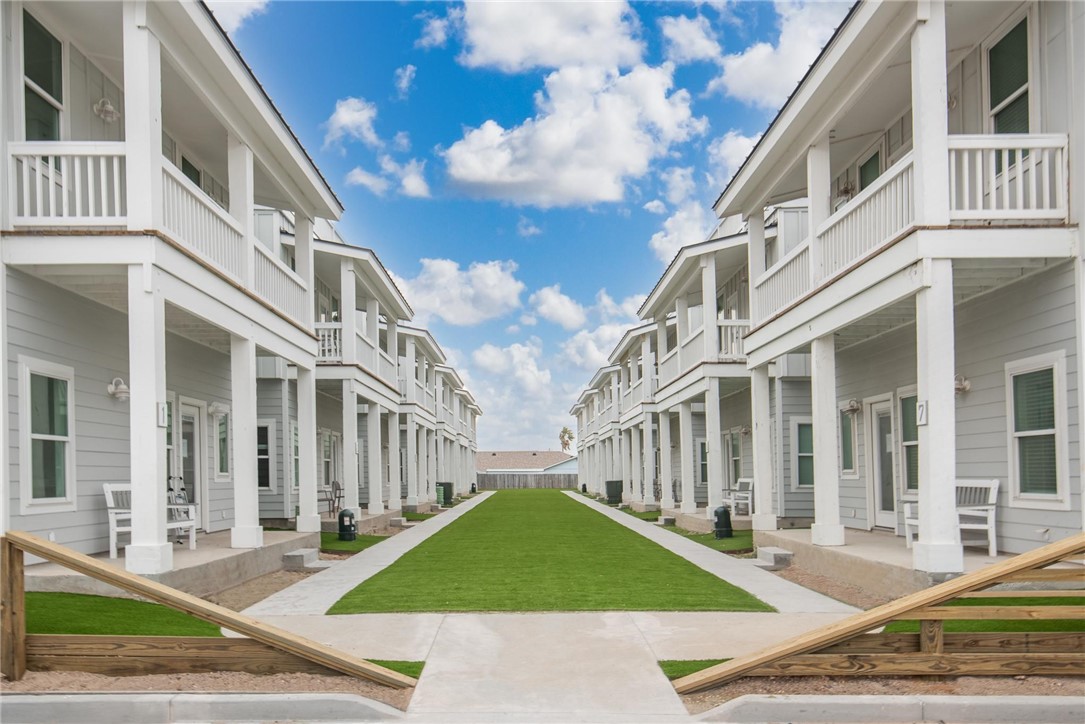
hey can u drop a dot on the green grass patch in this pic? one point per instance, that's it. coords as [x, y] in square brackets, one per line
[331, 542]
[649, 515]
[77, 613]
[540, 550]
[997, 626]
[741, 541]
[408, 515]
[409, 668]
[677, 668]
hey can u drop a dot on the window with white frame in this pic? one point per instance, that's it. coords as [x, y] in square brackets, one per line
[701, 447]
[735, 449]
[221, 427]
[848, 466]
[1036, 404]
[43, 74]
[47, 438]
[295, 455]
[802, 452]
[1008, 80]
[909, 443]
[170, 446]
[265, 455]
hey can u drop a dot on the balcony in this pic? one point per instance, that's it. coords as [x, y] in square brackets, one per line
[732, 332]
[367, 356]
[993, 179]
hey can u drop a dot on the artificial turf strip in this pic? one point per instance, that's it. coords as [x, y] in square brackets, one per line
[77, 613]
[742, 540]
[409, 668]
[677, 668]
[540, 550]
[998, 626]
[408, 515]
[649, 515]
[331, 542]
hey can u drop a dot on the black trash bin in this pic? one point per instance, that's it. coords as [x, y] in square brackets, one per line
[614, 492]
[348, 529]
[444, 494]
[722, 527]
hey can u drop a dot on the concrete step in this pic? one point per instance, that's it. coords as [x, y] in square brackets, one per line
[304, 559]
[665, 520]
[773, 559]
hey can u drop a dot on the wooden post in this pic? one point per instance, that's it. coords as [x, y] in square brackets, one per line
[12, 613]
[931, 637]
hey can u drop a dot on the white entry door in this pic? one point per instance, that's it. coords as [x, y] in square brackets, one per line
[882, 483]
[193, 460]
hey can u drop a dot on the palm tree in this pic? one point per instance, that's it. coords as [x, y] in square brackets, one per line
[565, 437]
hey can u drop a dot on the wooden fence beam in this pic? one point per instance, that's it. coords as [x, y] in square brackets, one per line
[12, 612]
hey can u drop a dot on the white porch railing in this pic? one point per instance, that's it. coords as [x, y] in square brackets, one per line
[668, 367]
[55, 184]
[386, 367]
[691, 350]
[1008, 177]
[731, 333]
[330, 341]
[194, 220]
[783, 283]
[277, 283]
[876, 215]
[366, 352]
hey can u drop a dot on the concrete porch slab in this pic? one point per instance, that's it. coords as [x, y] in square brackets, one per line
[699, 523]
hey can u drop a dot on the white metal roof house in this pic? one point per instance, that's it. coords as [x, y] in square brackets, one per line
[939, 285]
[170, 291]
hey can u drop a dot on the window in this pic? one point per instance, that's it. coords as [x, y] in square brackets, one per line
[909, 443]
[170, 466]
[47, 454]
[1036, 404]
[847, 443]
[702, 462]
[222, 445]
[736, 457]
[802, 442]
[295, 454]
[870, 169]
[43, 81]
[1008, 81]
[190, 170]
[265, 455]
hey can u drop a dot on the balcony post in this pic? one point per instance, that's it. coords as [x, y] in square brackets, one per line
[819, 189]
[308, 519]
[410, 389]
[303, 259]
[711, 328]
[247, 531]
[240, 175]
[636, 464]
[827, 529]
[391, 331]
[714, 435]
[666, 486]
[395, 484]
[686, 456]
[681, 313]
[649, 463]
[616, 458]
[142, 118]
[348, 312]
[647, 368]
[755, 250]
[374, 474]
[938, 547]
[431, 473]
[661, 337]
[350, 447]
[763, 517]
[412, 466]
[372, 326]
[930, 122]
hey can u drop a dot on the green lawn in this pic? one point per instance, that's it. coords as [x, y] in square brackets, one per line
[965, 626]
[649, 515]
[410, 668]
[741, 541]
[540, 550]
[677, 668]
[331, 542]
[408, 515]
[76, 613]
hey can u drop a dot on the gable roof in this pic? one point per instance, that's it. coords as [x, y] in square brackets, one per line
[487, 460]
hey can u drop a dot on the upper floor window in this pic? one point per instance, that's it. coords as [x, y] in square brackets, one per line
[1008, 81]
[43, 80]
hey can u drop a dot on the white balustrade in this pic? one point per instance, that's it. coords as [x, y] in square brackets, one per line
[55, 184]
[1008, 177]
[278, 284]
[386, 367]
[668, 368]
[193, 220]
[731, 344]
[329, 341]
[691, 350]
[784, 282]
[878, 214]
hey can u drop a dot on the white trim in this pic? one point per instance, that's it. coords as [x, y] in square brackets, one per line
[1056, 361]
[870, 457]
[217, 473]
[795, 422]
[898, 430]
[273, 477]
[729, 438]
[202, 460]
[294, 454]
[851, 473]
[1026, 12]
[27, 504]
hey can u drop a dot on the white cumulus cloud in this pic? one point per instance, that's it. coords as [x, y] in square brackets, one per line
[360, 177]
[518, 36]
[655, 206]
[526, 227]
[688, 40]
[463, 297]
[689, 224]
[402, 141]
[404, 78]
[411, 176]
[727, 153]
[436, 29]
[594, 129]
[352, 118]
[678, 182]
[550, 304]
[232, 14]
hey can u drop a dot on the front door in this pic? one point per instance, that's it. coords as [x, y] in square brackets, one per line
[192, 460]
[882, 479]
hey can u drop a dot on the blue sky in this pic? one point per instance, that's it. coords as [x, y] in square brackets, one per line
[526, 170]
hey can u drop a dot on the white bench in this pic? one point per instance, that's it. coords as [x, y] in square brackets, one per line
[741, 494]
[118, 502]
[976, 505]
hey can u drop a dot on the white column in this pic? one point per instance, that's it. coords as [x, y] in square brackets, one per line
[308, 520]
[395, 482]
[372, 327]
[755, 250]
[826, 530]
[247, 532]
[420, 464]
[708, 302]
[665, 483]
[348, 312]
[649, 462]
[938, 548]
[686, 456]
[240, 174]
[431, 488]
[412, 465]
[149, 551]
[409, 373]
[442, 462]
[142, 118]
[616, 458]
[373, 449]
[350, 447]
[763, 478]
[681, 313]
[930, 137]
[714, 435]
[625, 450]
[818, 188]
[636, 464]
[303, 257]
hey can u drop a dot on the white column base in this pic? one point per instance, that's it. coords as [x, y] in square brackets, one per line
[395, 503]
[144, 559]
[307, 523]
[412, 500]
[247, 536]
[376, 508]
[938, 557]
[689, 506]
[763, 521]
[822, 534]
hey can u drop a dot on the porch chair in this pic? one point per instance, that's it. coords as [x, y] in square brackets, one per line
[118, 500]
[741, 494]
[976, 507]
[333, 496]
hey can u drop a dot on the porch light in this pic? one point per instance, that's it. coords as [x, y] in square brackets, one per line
[853, 407]
[217, 408]
[105, 110]
[961, 384]
[118, 390]
[744, 430]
